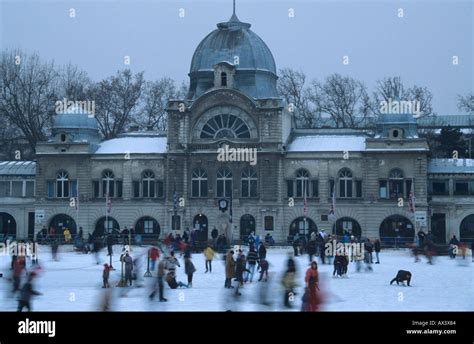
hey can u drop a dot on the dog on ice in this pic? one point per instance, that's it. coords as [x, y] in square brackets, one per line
[401, 277]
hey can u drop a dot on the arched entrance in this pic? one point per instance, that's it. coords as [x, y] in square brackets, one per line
[247, 225]
[62, 221]
[302, 226]
[147, 225]
[396, 230]
[7, 226]
[102, 226]
[347, 224]
[200, 225]
[466, 230]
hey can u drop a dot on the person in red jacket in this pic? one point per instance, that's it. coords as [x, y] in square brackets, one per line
[18, 268]
[312, 284]
[105, 276]
[154, 255]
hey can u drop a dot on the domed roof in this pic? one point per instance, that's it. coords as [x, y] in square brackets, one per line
[396, 118]
[230, 39]
[75, 118]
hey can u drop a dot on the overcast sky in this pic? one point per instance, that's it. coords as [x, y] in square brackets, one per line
[419, 47]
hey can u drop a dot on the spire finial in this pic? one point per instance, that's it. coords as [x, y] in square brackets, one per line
[233, 12]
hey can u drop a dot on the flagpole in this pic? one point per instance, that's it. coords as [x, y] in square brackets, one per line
[413, 201]
[77, 204]
[304, 209]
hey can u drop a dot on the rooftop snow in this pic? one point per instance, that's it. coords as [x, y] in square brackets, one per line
[327, 143]
[133, 145]
[451, 166]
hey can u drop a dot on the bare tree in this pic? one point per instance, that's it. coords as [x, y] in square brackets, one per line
[466, 103]
[155, 97]
[343, 99]
[291, 86]
[424, 97]
[28, 90]
[393, 89]
[74, 83]
[116, 101]
[182, 91]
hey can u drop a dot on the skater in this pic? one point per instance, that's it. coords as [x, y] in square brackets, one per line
[172, 283]
[172, 262]
[189, 270]
[453, 246]
[269, 239]
[322, 251]
[262, 251]
[421, 238]
[257, 242]
[472, 250]
[128, 261]
[377, 250]
[186, 236]
[240, 268]
[229, 269]
[105, 276]
[67, 235]
[251, 239]
[369, 247]
[110, 242]
[252, 260]
[154, 256]
[367, 255]
[338, 265]
[214, 235]
[312, 283]
[263, 270]
[54, 248]
[295, 245]
[312, 246]
[18, 269]
[289, 282]
[26, 293]
[160, 284]
[96, 246]
[209, 256]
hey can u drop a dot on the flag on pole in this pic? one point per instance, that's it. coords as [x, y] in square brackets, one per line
[108, 203]
[305, 203]
[230, 206]
[332, 210]
[411, 198]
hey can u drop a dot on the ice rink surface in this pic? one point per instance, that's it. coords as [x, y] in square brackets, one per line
[74, 284]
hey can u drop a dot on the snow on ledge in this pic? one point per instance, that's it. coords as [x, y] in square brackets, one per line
[327, 143]
[133, 145]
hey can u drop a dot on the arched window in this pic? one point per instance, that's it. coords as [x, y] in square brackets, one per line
[108, 183]
[249, 183]
[345, 183]
[302, 183]
[396, 183]
[199, 183]
[225, 126]
[62, 184]
[148, 184]
[224, 79]
[224, 183]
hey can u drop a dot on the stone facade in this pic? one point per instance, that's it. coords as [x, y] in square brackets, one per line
[152, 178]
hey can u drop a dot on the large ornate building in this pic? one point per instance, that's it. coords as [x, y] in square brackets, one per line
[165, 183]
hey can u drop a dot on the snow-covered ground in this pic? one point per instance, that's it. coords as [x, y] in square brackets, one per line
[74, 284]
